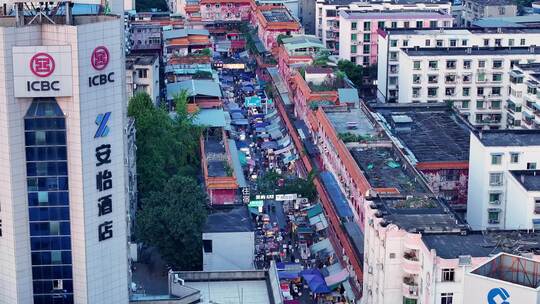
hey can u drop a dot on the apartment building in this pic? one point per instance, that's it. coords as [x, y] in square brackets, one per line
[358, 30]
[392, 40]
[327, 16]
[272, 21]
[504, 180]
[523, 104]
[142, 75]
[474, 80]
[473, 10]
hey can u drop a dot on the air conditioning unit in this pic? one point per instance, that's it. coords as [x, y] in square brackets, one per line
[370, 270]
[497, 202]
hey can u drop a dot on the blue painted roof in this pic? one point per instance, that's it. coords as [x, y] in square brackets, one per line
[336, 196]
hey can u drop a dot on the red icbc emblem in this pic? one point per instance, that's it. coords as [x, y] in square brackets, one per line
[42, 65]
[100, 58]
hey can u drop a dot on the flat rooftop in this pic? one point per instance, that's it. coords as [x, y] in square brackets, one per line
[277, 15]
[216, 156]
[509, 138]
[451, 246]
[493, 2]
[393, 15]
[474, 51]
[236, 219]
[350, 120]
[462, 31]
[513, 269]
[232, 292]
[140, 59]
[428, 2]
[383, 169]
[431, 133]
[529, 179]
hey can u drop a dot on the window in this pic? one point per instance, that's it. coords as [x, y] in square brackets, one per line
[497, 64]
[495, 198]
[207, 246]
[353, 59]
[380, 24]
[493, 217]
[57, 285]
[531, 166]
[448, 275]
[428, 42]
[394, 24]
[450, 91]
[464, 42]
[367, 26]
[142, 73]
[496, 104]
[481, 63]
[406, 24]
[486, 42]
[405, 42]
[496, 159]
[353, 26]
[393, 43]
[514, 157]
[218, 5]
[481, 77]
[495, 179]
[498, 42]
[432, 92]
[510, 42]
[502, 10]
[56, 257]
[419, 24]
[466, 91]
[480, 91]
[353, 49]
[353, 37]
[433, 64]
[433, 23]
[392, 255]
[447, 298]
[416, 79]
[496, 91]
[479, 104]
[497, 77]
[536, 206]
[416, 92]
[451, 64]
[465, 104]
[366, 48]
[522, 42]
[54, 228]
[417, 65]
[365, 61]
[453, 42]
[367, 37]
[467, 64]
[439, 42]
[433, 79]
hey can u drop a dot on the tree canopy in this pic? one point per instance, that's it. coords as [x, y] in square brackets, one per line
[149, 5]
[269, 183]
[171, 203]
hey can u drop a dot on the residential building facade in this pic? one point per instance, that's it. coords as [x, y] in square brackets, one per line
[474, 80]
[523, 104]
[142, 75]
[329, 28]
[503, 181]
[391, 41]
[358, 31]
[477, 9]
[64, 184]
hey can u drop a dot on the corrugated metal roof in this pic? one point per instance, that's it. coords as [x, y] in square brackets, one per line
[194, 87]
[180, 33]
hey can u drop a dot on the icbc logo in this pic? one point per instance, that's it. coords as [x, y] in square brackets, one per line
[42, 65]
[100, 58]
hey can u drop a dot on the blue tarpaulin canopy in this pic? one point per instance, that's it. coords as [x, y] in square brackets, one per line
[269, 145]
[237, 115]
[315, 281]
[288, 275]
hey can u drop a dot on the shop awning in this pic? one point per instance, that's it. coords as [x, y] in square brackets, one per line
[237, 115]
[315, 281]
[336, 195]
[319, 221]
[314, 210]
[321, 246]
[288, 275]
[275, 133]
[269, 145]
[334, 280]
[240, 122]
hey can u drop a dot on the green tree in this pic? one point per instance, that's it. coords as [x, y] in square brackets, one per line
[172, 221]
[149, 5]
[280, 38]
[302, 186]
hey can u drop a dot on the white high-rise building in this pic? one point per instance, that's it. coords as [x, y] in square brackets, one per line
[63, 215]
[504, 183]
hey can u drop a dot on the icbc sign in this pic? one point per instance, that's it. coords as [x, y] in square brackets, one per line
[99, 60]
[42, 71]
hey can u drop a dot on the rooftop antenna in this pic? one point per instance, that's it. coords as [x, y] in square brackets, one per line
[29, 13]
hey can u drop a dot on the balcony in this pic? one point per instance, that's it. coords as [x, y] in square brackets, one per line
[411, 262]
[410, 287]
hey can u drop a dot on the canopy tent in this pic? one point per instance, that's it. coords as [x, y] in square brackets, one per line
[322, 246]
[314, 210]
[237, 115]
[315, 281]
[240, 122]
[269, 145]
[334, 280]
[287, 266]
[319, 221]
[252, 101]
[243, 158]
[288, 275]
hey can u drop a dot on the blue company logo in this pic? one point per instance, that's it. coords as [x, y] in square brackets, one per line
[498, 296]
[101, 122]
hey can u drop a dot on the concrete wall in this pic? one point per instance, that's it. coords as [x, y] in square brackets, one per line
[230, 251]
